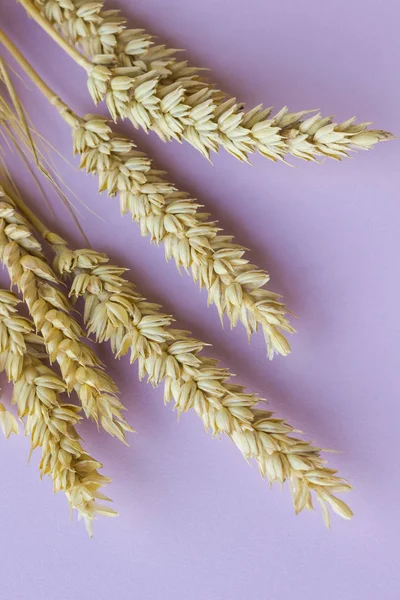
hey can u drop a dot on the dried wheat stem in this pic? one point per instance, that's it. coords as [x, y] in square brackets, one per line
[146, 84]
[70, 50]
[21, 253]
[167, 215]
[115, 312]
[49, 422]
[47, 92]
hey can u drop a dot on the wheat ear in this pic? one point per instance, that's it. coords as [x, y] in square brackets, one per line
[49, 422]
[147, 85]
[115, 312]
[21, 253]
[167, 215]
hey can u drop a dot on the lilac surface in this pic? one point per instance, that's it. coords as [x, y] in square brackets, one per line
[195, 520]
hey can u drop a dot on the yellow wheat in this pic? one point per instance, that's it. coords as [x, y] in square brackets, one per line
[49, 422]
[115, 312]
[21, 253]
[146, 84]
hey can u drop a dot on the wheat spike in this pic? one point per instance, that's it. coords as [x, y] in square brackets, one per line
[148, 85]
[115, 312]
[167, 215]
[21, 253]
[49, 422]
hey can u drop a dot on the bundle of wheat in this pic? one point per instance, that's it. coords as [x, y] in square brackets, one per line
[148, 85]
[235, 286]
[115, 312]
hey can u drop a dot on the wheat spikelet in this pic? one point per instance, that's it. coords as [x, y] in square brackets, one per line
[146, 84]
[49, 422]
[115, 312]
[20, 252]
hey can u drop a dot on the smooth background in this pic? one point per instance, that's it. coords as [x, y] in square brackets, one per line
[195, 520]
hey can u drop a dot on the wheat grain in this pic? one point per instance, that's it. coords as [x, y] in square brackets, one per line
[49, 422]
[115, 312]
[146, 84]
[21, 253]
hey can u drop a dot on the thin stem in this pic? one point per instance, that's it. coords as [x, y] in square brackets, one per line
[68, 115]
[44, 24]
[18, 107]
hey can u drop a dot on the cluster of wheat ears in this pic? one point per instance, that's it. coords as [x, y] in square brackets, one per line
[147, 84]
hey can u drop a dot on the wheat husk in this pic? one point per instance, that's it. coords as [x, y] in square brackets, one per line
[8, 422]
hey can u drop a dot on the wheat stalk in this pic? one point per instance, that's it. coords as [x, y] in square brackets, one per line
[115, 312]
[147, 85]
[49, 422]
[167, 215]
[21, 253]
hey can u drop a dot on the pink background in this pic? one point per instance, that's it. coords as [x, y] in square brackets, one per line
[195, 520]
